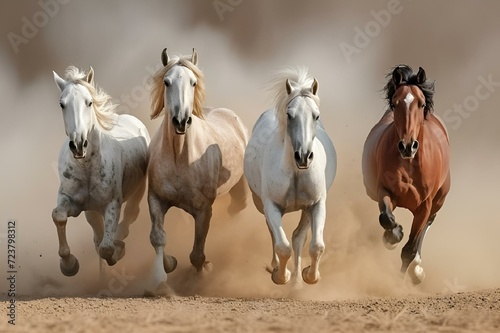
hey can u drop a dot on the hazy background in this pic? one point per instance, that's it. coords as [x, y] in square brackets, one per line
[455, 41]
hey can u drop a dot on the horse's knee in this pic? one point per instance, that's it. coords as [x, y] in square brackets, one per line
[59, 215]
[157, 237]
[316, 250]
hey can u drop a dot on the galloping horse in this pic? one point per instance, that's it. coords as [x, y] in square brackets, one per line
[290, 164]
[406, 163]
[195, 156]
[102, 165]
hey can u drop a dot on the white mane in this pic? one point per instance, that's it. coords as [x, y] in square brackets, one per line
[103, 107]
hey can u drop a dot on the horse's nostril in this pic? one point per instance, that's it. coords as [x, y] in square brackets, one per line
[72, 145]
[85, 143]
[175, 121]
[189, 120]
[414, 145]
[311, 156]
[401, 146]
[296, 155]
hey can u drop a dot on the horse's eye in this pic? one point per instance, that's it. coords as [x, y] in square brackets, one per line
[424, 106]
[167, 83]
[316, 118]
[194, 84]
[61, 105]
[289, 116]
[89, 104]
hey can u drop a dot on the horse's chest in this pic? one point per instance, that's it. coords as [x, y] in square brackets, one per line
[406, 186]
[295, 192]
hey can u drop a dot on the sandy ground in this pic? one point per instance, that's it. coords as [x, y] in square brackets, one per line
[462, 312]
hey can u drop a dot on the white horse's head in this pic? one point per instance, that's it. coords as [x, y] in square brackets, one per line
[302, 114]
[180, 90]
[76, 104]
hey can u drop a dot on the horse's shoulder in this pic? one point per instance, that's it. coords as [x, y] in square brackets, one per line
[439, 123]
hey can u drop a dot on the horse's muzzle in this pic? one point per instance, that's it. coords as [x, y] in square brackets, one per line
[79, 149]
[303, 159]
[181, 126]
[408, 150]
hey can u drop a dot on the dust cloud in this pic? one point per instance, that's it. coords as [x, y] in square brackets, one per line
[347, 46]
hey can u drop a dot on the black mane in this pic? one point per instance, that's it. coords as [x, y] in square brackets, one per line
[410, 78]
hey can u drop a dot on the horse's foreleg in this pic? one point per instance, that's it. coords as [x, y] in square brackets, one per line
[162, 264]
[69, 264]
[393, 231]
[298, 240]
[96, 222]
[201, 226]
[282, 249]
[317, 247]
[239, 194]
[107, 250]
[411, 253]
[131, 212]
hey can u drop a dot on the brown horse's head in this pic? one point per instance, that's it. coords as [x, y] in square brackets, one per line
[410, 98]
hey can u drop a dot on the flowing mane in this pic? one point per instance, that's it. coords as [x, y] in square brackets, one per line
[158, 89]
[410, 78]
[103, 106]
[301, 83]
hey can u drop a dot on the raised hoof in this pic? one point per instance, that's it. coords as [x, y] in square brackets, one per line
[119, 250]
[169, 263]
[279, 280]
[72, 268]
[305, 273]
[387, 221]
[208, 266]
[391, 238]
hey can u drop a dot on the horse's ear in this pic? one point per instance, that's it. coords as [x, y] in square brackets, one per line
[314, 87]
[164, 57]
[288, 87]
[194, 57]
[60, 82]
[90, 76]
[421, 77]
[397, 77]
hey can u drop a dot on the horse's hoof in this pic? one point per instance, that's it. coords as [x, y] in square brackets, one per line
[119, 250]
[72, 268]
[392, 237]
[305, 276]
[279, 280]
[208, 266]
[387, 221]
[415, 271]
[169, 263]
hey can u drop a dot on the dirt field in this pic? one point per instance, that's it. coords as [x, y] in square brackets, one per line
[462, 312]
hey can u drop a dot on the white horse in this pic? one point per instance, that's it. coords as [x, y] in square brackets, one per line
[195, 156]
[290, 164]
[102, 164]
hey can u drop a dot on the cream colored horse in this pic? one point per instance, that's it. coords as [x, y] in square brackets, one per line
[102, 164]
[195, 156]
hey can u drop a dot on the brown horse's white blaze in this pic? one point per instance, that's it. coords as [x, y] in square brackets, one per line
[406, 163]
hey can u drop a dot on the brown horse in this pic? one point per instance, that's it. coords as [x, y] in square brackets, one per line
[406, 163]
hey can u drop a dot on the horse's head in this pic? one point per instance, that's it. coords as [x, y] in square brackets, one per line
[302, 114]
[76, 104]
[180, 82]
[410, 98]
